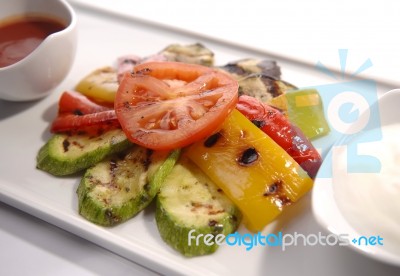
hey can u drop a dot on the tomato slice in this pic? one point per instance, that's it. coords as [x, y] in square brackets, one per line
[167, 105]
[282, 131]
[79, 114]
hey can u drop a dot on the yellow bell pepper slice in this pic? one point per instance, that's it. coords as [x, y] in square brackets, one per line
[251, 169]
[101, 85]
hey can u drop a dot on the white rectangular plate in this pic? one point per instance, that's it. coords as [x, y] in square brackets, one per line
[25, 128]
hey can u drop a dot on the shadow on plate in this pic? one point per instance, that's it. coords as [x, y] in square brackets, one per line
[49, 114]
[9, 109]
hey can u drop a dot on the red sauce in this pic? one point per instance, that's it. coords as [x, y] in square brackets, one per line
[21, 35]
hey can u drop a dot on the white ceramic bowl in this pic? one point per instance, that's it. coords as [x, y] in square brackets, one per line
[329, 211]
[41, 71]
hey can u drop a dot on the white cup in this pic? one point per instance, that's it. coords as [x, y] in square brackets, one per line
[42, 70]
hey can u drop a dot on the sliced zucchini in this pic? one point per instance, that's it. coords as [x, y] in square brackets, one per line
[119, 187]
[66, 154]
[188, 200]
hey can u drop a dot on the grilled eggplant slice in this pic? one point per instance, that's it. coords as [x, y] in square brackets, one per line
[193, 53]
[263, 87]
[258, 78]
[245, 67]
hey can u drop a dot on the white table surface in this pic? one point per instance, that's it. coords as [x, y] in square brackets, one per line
[302, 30]
[306, 31]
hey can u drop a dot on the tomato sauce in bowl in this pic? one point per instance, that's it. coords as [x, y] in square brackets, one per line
[19, 36]
[38, 42]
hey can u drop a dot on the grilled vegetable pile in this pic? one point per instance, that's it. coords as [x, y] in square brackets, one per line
[210, 145]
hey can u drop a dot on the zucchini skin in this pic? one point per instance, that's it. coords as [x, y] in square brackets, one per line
[57, 157]
[174, 229]
[137, 181]
[176, 235]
